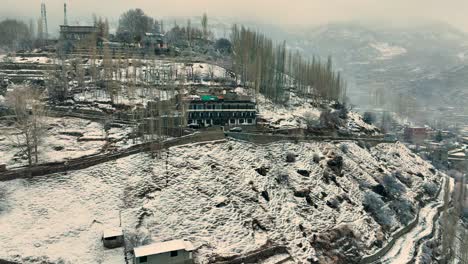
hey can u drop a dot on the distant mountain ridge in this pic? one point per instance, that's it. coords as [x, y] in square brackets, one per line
[427, 61]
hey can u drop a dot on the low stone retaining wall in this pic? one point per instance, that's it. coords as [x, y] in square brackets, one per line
[270, 138]
[7, 262]
[397, 235]
[85, 162]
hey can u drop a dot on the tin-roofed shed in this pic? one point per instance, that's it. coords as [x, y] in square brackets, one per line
[170, 252]
[113, 238]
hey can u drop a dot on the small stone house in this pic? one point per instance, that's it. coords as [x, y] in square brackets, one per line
[170, 252]
[113, 238]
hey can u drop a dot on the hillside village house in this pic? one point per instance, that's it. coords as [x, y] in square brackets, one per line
[213, 110]
[415, 135]
[458, 158]
[170, 252]
[77, 33]
[113, 238]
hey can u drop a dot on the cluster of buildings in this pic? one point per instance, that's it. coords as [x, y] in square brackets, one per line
[73, 36]
[442, 148]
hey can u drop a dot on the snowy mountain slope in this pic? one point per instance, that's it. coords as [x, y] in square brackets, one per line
[394, 58]
[215, 195]
[449, 87]
[61, 142]
[297, 111]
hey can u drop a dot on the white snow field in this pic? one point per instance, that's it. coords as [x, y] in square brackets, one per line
[65, 138]
[59, 143]
[210, 194]
[63, 216]
[388, 51]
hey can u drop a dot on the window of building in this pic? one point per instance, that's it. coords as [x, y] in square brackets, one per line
[232, 121]
[174, 253]
[143, 259]
[241, 121]
[110, 238]
[249, 121]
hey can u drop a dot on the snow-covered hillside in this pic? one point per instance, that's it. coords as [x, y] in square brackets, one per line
[65, 138]
[388, 51]
[226, 198]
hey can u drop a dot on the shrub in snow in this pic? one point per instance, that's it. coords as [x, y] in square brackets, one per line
[369, 118]
[290, 157]
[316, 158]
[262, 170]
[392, 186]
[372, 202]
[310, 120]
[430, 188]
[223, 45]
[344, 148]
[136, 239]
[326, 176]
[426, 255]
[403, 209]
[304, 173]
[333, 203]
[336, 164]
[402, 178]
[343, 112]
[2, 198]
[329, 119]
[282, 178]
[376, 207]
[361, 144]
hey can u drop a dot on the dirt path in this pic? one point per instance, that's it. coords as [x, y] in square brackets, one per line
[403, 250]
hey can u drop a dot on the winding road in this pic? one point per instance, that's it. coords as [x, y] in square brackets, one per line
[404, 249]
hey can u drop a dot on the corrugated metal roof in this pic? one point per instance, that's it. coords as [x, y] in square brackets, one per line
[163, 247]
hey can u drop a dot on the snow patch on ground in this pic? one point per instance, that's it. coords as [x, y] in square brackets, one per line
[59, 144]
[38, 59]
[388, 51]
[62, 216]
[290, 115]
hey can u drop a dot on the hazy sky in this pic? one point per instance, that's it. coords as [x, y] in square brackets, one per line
[454, 12]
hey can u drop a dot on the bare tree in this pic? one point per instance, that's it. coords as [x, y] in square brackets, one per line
[204, 23]
[29, 112]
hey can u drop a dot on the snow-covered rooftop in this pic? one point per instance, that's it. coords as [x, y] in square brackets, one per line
[112, 232]
[163, 247]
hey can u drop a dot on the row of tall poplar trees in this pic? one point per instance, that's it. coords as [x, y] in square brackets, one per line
[271, 69]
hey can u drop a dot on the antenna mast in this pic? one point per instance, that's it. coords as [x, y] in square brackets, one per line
[44, 20]
[65, 18]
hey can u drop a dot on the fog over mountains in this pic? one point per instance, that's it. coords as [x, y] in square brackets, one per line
[426, 62]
